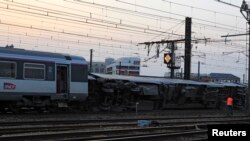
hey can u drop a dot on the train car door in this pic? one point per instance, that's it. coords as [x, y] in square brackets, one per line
[62, 79]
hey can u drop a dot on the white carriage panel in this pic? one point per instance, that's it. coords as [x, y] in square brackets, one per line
[27, 86]
[79, 87]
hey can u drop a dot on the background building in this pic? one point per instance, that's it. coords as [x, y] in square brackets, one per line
[109, 61]
[224, 77]
[125, 66]
[97, 67]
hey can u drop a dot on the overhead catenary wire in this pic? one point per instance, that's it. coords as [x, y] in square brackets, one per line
[111, 8]
[194, 51]
[109, 46]
[62, 14]
[203, 9]
[171, 13]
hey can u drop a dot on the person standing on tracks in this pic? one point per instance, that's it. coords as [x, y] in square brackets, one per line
[230, 105]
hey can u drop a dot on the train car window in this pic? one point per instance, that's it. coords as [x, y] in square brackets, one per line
[34, 71]
[7, 69]
[79, 73]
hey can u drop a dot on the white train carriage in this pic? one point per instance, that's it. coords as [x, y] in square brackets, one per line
[32, 78]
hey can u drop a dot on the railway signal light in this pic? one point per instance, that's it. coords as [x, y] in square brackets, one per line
[168, 58]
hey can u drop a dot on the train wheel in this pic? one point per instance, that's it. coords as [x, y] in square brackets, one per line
[39, 109]
[2, 110]
[14, 109]
[105, 107]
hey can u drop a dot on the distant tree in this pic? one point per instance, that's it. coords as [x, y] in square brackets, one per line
[9, 46]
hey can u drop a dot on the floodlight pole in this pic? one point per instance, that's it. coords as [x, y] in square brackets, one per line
[244, 8]
[90, 60]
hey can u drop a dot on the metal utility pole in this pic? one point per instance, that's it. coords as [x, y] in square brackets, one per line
[120, 67]
[245, 8]
[187, 62]
[181, 72]
[199, 64]
[172, 66]
[243, 78]
[90, 62]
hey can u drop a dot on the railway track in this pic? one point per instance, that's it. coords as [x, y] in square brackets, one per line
[112, 129]
[77, 121]
[107, 134]
[76, 125]
[170, 135]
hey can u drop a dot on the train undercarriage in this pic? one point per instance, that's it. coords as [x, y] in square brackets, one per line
[118, 95]
[122, 95]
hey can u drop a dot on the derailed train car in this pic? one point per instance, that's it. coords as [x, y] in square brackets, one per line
[163, 93]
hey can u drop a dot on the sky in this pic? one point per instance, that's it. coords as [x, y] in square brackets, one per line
[114, 28]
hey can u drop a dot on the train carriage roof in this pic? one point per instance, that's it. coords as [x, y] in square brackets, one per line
[162, 80]
[226, 84]
[197, 83]
[91, 77]
[208, 84]
[184, 82]
[137, 79]
[38, 55]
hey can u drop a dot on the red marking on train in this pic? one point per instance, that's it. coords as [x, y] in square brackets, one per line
[9, 86]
